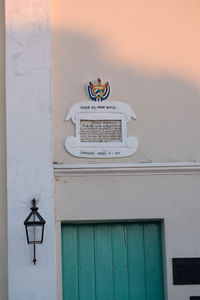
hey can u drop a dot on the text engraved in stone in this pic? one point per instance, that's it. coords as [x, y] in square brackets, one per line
[100, 131]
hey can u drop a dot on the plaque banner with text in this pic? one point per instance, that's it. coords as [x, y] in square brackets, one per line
[101, 130]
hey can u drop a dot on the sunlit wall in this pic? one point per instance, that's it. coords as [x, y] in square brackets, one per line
[149, 51]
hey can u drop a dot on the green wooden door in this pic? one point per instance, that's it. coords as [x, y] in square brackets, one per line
[112, 261]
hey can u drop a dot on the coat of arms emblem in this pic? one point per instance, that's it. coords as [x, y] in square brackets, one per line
[99, 91]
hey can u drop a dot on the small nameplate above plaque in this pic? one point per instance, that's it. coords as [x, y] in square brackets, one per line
[100, 128]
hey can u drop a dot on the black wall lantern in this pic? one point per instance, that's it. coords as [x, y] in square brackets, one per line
[34, 225]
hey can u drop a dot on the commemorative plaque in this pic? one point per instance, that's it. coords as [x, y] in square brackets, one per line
[100, 128]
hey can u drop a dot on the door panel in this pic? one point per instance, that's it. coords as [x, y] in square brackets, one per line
[136, 259]
[86, 262]
[153, 261]
[70, 263]
[103, 261]
[120, 263]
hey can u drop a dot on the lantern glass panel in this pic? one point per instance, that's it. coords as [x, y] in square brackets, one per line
[34, 218]
[35, 234]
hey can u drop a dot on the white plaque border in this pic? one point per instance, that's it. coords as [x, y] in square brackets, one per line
[101, 111]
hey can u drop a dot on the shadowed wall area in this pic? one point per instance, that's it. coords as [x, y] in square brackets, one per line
[150, 56]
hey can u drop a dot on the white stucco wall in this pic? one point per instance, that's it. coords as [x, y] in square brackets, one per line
[29, 147]
[149, 53]
[3, 211]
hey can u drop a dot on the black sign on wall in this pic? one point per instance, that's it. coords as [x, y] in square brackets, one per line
[195, 298]
[186, 271]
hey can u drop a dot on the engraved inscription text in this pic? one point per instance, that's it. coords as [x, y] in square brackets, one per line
[100, 131]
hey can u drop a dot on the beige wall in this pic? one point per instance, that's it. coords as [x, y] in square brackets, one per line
[171, 198]
[3, 212]
[149, 51]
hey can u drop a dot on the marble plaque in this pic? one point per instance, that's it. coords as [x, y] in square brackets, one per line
[100, 131]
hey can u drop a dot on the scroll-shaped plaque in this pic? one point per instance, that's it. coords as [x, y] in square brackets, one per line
[101, 130]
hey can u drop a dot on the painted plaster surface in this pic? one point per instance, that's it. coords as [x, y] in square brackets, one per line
[172, 198]
[29, 147]
[149, 51]
[3, 211]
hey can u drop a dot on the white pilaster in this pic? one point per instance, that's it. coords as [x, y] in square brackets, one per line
[29, 147]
